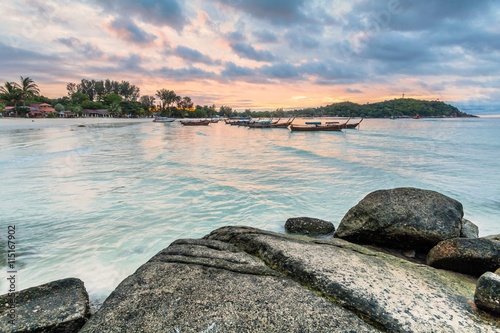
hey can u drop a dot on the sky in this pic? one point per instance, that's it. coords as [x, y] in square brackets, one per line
[261, 54]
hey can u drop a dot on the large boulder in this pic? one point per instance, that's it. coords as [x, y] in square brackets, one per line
[309, 226]
[466, 255]
[212, 286]
[392, 294]
[407, 218]
[487, 296]
[60, 306]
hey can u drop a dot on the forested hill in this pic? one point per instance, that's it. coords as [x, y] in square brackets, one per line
[402, 107]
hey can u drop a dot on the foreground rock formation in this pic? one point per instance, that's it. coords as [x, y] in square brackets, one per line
[60, 306]
[240, 279]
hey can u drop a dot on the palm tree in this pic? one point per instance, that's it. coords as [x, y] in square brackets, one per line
[167, 97]
[29, 89]
[11, 93]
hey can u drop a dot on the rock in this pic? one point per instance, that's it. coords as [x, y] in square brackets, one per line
[390, 293]
[469, 229]
[487, 296]
[60, 306]
[497, 271]
[495, 238]
[406, 218]
[466, 255]
[212, 286]
[309, 226]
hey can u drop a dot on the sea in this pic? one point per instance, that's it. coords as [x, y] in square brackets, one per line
[97, 198]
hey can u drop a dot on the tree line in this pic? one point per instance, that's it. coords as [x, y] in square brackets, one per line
[124, 99]
[119, 98]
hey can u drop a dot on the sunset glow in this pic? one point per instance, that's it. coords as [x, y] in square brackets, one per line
[260, 54]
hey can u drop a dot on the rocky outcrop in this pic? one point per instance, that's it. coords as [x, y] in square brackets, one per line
[212, 286]
[466, 255]
[487, 294]
[240, 279]
[309, 226]
[469, 229]
[406, 218]
[60, 306]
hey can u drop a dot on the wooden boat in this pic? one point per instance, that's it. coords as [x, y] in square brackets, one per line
[320, 127]
[195, 122]
[163, 120]
[263, 123]
[283, 125]
[353, 125]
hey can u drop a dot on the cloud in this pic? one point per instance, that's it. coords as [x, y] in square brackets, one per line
[183, 74]
[193, 55]
[89, 50]
[301, 41]
[249, 52]
[281, 71]
[353, 91]
[163, 13]
[127, 30]
[277, 12]
[266, 36]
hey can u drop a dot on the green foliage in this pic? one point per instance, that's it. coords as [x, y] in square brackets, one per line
[59, 107]
[92, 105]
[131, 109]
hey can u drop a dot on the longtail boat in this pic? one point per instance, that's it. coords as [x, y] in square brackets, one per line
[319, 127]
[283, 125]
[353, 125]
[195, 122]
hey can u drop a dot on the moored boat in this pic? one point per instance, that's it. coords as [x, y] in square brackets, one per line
[200, 122]
[163, 120]
[353, 125]
[319, 127]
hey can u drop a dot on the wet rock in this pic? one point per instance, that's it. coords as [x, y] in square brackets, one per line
[407, 218]
[212, 286]
[390, 293]
[469, 229]
[487, 296]
[60, 306]
[309, 226]
[466, 255]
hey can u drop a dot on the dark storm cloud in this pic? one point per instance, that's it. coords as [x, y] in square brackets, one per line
[247, 51]
[278, 12]
[130, 32]
[162, 13]
[193, 55]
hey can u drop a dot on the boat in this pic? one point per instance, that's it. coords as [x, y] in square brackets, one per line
[353, 125]
[333, 126]
[284, 124]
[196, 122]
[163, 120]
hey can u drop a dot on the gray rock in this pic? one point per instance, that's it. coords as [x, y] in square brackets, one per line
[60, 306]
[487, 296]
[309, 226]
[469, 229]
[211, 286]
[495, 238]
[466, 255]
[393, 294]
[406, 218]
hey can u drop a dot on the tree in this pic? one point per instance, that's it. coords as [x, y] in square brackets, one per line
[167, 97]
[59, 107]
[11, 93]
[29, 89]
[184, 104]
[148, 102]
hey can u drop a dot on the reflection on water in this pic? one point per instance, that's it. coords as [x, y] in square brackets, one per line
[97, 201]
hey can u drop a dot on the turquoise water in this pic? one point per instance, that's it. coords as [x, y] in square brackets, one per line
[96, 202]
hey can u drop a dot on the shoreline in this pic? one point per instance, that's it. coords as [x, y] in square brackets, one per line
[11, 123]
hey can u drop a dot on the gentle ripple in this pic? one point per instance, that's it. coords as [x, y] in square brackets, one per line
[96, 202]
